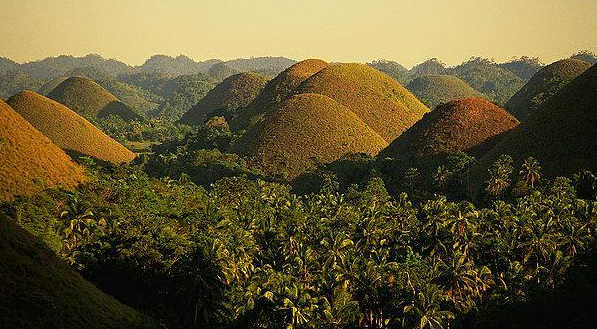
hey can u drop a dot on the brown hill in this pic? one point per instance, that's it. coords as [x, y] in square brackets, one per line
[41, 291]
[560, 133]
[543, 85]
[381, 102]
[90, 100]
[67, 129]
[27, 155]
[277, 90]
[302, 131]
[233, 93]
[473, 125]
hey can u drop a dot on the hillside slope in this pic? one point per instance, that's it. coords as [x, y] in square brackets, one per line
[433, 90]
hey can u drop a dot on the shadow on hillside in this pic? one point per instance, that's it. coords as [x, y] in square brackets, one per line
[481, 149]
[76, 156]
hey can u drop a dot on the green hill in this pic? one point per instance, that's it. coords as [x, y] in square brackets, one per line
[393, 69]
[221, 71]
[433, 90]
[40, 291]
[232, 94]
[525, 67]
[91, 100]
[432, 66]
[303, 131]
[560, 134]
[543, 85]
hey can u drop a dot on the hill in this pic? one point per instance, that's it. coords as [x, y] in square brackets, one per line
[41, 291]
[586, 56]
[89, 99]
[432, 66]
[27, 155]
[53, 67]
[233, 93]
[7, 64]
[433, 90]
[498, 83]
[305, 130]
[277, 90]
[381, 102]
[525, 67]
[221, 71]
[261, 64]
[560, 134]
[543, 85]
[67, 129]
[473, 125]
[175, 66]
[48, 86]
[393, 69]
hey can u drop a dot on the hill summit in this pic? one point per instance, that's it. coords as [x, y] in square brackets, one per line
[67, 129]
[27, 155]
[472, 125]
[433, 90]
[90, 100]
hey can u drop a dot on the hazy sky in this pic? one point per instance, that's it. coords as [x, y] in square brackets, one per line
[408, 31]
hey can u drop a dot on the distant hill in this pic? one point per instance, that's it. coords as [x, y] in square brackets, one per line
[90, 100]
[525, 67]
[27, 155]
[432, 66]
[260, 64]
[586, 56]
[560, 134]
[13, 81]
[67, 129]
[47, 87]
[543, 85]
[303, 131]
[498, 83]
[233, 93]
[393, 69]
[52, 67]
[221, 71]
[179, 65]
[473, 125]
[277, 90]
[433, 90]
[381, 102]
[7, 64]
[40, 291]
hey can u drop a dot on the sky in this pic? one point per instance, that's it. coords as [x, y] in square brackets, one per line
[408, 32]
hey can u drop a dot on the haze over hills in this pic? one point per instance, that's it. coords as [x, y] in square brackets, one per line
[433, 90]
[91, 100]
[27, 155]
[473, 125]
[305, 130]
[543, 85]
[560, 134]
[232, 94]
[39, 290]
[525, 67]
[67, 129]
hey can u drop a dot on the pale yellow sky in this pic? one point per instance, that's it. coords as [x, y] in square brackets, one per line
[340, 30]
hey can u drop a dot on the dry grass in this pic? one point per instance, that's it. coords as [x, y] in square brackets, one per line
[543, 85]
[67, 129]
[277, 90]
[433, 90]
[560, 133]
[233, 93]
[40, 291]
[473, 125]
[27, 155]
[305, 130]
[89, 99]
[381, 102]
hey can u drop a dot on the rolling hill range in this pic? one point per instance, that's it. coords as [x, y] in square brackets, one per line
[543, 85]
[433, 90]
[91, 100]
[303, 131]
[277, 90]
[473, 125]
[560, 134]
[432, 66]
[228, 97]
[393, 69]
[27, 155]
[67, 129]
[525, 67]
[381, 102]
[40, 291]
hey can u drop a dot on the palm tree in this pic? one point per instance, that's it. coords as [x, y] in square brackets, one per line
[425, 310]
[441, 176]
[530, 171]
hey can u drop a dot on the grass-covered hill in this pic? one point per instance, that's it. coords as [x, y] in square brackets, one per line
[303, 131]
[277, 90]
[498, 83]
[221, 71]
[67, 129]
[432, 66]
[381, 102]
[433, 90]
[91, 100]
[543, 85]
[560, 134]
[228, 97]
[525, 67]
[26, 156]
[40, 291]
[393, 69]
[473, 125]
